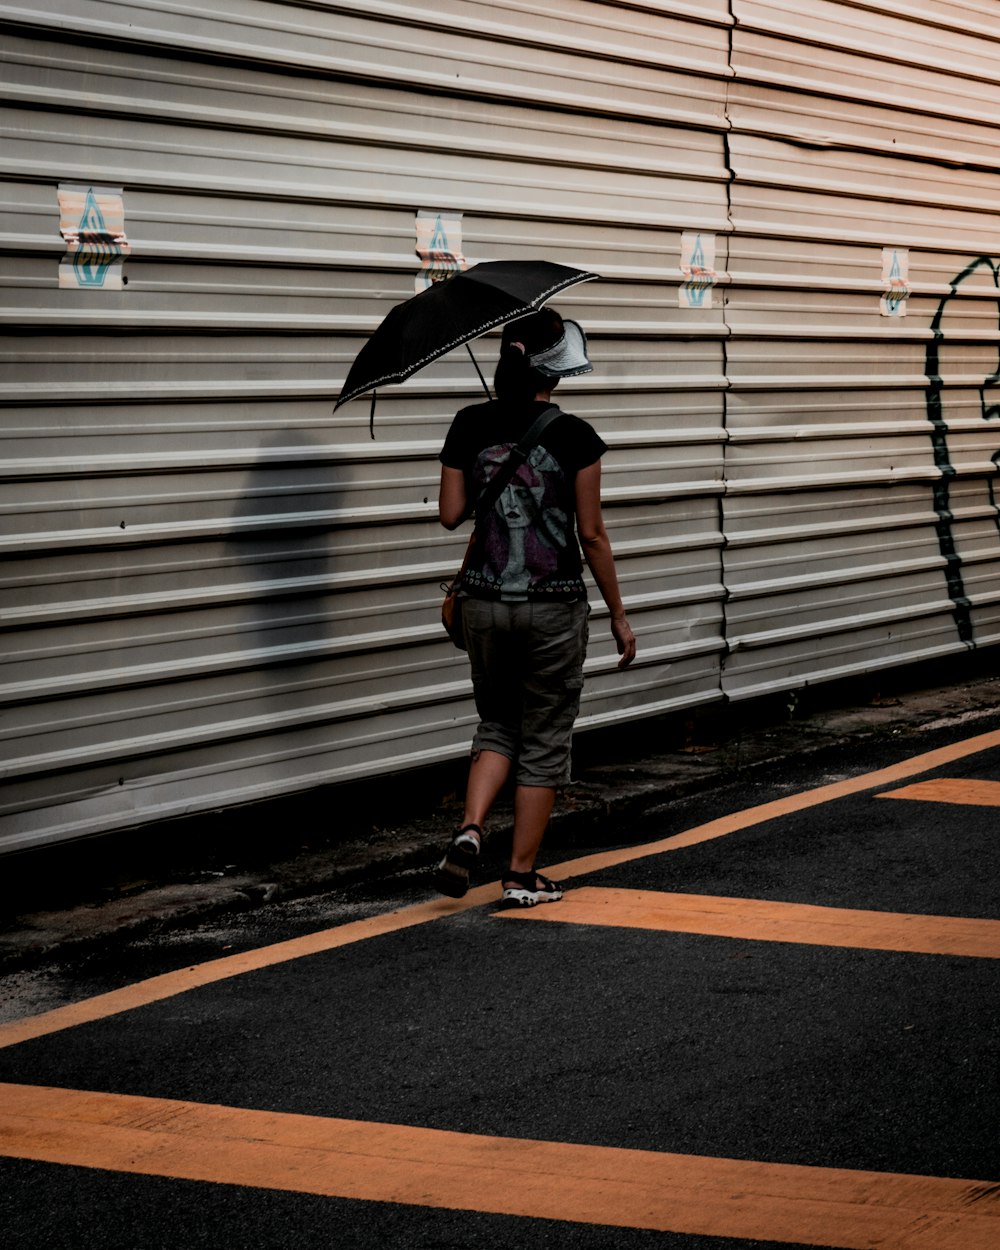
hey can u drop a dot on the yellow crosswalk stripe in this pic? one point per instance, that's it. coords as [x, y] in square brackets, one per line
[425, 1167]
[157, 988]
[766, 921]
[972, 793]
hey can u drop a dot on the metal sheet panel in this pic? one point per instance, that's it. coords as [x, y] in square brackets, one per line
[214, 589]
[852, 435]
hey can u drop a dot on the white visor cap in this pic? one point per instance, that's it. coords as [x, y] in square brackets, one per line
[567, 357]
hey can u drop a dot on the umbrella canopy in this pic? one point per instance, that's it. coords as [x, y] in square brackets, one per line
[451, 313]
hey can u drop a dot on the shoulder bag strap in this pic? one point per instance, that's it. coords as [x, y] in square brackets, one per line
[518, 455]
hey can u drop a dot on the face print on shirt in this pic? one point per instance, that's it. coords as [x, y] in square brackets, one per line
[527, 528]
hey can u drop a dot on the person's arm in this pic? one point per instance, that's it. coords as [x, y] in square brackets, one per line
[452, 501]
[597, 550]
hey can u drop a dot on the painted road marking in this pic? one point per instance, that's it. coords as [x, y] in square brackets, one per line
[507, 1176]
[951, 790]
[764, 921]
[155, 989]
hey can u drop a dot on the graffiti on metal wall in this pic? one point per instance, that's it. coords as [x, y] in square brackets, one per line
[698, 270]
[92, 222]
[439, 246]
[896, 278]
[989, 409]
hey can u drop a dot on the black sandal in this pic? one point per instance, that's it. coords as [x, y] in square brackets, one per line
[452, 875]
[529, 888]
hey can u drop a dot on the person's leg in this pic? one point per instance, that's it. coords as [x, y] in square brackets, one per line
[551, 685]
[532, 809]
[494, 745]
[488, 773]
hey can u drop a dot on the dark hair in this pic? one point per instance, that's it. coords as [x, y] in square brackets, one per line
[515, 381]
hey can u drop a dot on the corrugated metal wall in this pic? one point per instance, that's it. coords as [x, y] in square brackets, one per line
[858, 512]
[215, 590]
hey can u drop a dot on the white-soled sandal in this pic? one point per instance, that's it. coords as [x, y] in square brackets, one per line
[452, 875]
[528, 889]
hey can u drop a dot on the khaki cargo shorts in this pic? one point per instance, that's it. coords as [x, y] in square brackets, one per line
[527, 674]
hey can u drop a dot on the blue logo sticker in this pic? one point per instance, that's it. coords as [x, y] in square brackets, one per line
[97, 247]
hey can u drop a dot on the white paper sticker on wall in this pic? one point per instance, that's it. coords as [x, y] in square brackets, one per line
[92, 221]
[439, 246]
[895, 279]
[698, 268]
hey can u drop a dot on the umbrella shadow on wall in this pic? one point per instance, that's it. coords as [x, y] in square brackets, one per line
[281, 543]
[971, 360]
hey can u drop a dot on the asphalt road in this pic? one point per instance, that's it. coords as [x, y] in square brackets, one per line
[769, 1020]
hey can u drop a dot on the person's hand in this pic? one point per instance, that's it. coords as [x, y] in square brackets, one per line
[624, 638]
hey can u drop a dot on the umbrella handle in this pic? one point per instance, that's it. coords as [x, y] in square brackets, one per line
[479, 371]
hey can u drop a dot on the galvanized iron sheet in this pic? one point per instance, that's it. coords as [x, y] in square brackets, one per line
[215, 589]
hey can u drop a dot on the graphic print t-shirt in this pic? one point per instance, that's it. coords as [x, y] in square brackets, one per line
[527, 547]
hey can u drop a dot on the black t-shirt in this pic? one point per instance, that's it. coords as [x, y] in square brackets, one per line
[527, 547]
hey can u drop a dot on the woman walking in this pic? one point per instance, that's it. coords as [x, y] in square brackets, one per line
[524, 606]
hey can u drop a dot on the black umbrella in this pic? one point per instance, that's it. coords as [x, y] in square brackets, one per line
[451, 313]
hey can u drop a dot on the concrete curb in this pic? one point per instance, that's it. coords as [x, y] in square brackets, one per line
[614, 790]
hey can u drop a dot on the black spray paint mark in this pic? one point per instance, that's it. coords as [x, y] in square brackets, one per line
[942, 457]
